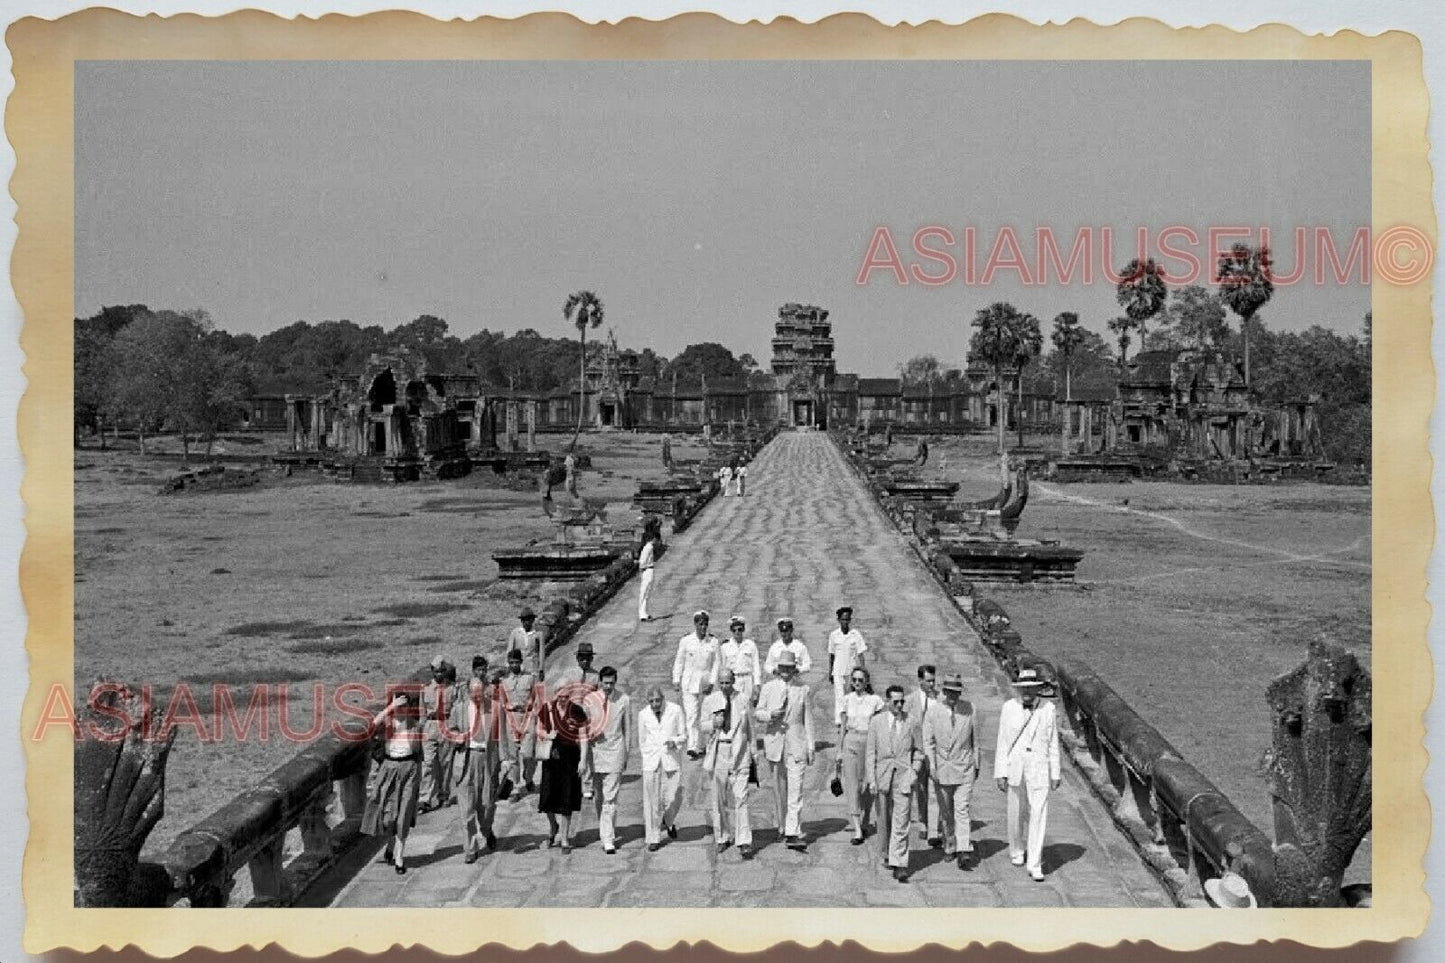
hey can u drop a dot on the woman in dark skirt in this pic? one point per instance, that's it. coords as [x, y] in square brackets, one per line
[563, 722]
[391, 804]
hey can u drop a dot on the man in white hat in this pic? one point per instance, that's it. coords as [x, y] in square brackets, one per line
[950, 744]
[802, 662]
[1026, 766]
[694, 673]
[740, 653]
[845, 653]
[788, 744]
[729, 752]
[1230, 891]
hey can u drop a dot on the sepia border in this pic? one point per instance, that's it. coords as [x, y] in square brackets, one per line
[40, 125]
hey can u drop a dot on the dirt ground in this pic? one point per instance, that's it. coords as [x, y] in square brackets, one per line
[300, 581]
[1191, 599]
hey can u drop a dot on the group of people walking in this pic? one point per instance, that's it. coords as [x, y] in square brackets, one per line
[745, 718]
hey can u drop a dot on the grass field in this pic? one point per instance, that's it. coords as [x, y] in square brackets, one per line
[301, 581]
[1191, 599]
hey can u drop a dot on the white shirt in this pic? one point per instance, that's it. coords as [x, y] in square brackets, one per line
[845, 650]
[859, 708]
[1028, 743]
[644, 558]
[696, 663]
[742, 658]
[799, 650]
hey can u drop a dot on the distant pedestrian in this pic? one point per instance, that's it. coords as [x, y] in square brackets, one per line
[788, 744]
[660, 737]
[725, 479]
[740, 653]
[646, 559]
[860, 705]
[522, 705]
[1026, 766]
[786, 642]
[950, 744]
[740, 476]
[526, 638]
[391, 804]
[921, 455]
[694, 673]
[607, 748]
[892, 766]
[735, 477]
[481, 763]
[845, 653]
[727, 763]
[562, 725]
[919, 702]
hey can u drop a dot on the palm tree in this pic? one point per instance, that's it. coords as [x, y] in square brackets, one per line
[1142, 293]
[583, 309]
[1121, 326]
[997, 339]
[1031, 342]
[1245, 285]
[1066, 338]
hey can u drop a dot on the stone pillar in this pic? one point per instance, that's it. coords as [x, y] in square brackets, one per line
[531, 425]
[511, 425]
[291, 426]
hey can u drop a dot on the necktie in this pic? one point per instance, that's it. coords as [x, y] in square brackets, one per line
[728, 717]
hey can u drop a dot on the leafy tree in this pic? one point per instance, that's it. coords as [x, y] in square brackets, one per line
[1195, 317]
[748, 362]
[1122, 327]
[1000, 333]
[584, 310]
[706, 360]
[1030, 346]
[923, 369]
[1067, 336]
[1245, 285]
[1142, 293]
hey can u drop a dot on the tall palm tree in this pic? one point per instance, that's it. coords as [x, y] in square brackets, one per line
[1142, 293]
[1121, 326]
[583, 309]
[1031, 343]
[1067, 337]
[1245, 285]
[997, 337]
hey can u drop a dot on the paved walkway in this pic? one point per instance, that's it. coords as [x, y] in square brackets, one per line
[806, 539]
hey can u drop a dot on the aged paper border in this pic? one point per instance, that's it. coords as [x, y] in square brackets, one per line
[39, 123]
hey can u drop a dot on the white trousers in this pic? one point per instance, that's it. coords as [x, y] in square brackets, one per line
[659, 801]
[892, 824]
[605, 786]
[1028, 803]
[691, 709]
[953, 810]
[788, 791]
[644, 592]
[730, 805]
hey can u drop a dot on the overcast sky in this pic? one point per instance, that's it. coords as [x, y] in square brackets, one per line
[693, 198]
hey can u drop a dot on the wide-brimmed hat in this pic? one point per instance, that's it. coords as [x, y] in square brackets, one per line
[526, 613]
[1029, 678]
[787, 658]
[785, 621]
[584, 648]
[714, 702]
[737, 620]
[1230, 891]
[842, 609]
[953, 682]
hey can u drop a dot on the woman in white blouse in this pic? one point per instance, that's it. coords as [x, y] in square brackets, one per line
[859, 707]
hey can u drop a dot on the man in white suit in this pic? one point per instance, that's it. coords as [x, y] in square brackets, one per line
[1026, 766]
[788, 744]
[660, 738]
[729, 752]
[891, 765]
[950, 744]
[786, 643]
[607, 754]
[694, 673]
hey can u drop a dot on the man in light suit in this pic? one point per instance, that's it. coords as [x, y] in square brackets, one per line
[729, 752]
[891, 763]
[480, 745]
[660, 737]
[920, 700]
[1026, 766]
[607, 753]
[950, 745]
[788, 744]
[785, 642]
[694, 672]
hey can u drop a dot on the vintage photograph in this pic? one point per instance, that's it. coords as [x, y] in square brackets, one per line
[723, 484]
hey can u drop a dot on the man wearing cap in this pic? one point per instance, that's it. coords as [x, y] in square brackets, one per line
[529, 641]
[892, 770]
[802, 661]
[788, 744]
[436, 749]
[606, 755]
[845, 653]
[1026, 766]
[482, 762]
[740, 653]
[950, 745]
[519, 703]
[729, 753]
[920, 701]
[694, 673]
[659, 737]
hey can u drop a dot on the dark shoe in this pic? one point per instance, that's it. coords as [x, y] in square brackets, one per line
[965, 861]
[551, 841]
[935, 841]
[653, 847]
[746, 852]
[672, 832]
[797, 844]
[469, 858]
[609, 850]
[566, 848]
[386, 854]
[856, 840]
[722, 846]
[531, 786]
[491, 840]
[505, 790]
[401, 870]
[900, 874]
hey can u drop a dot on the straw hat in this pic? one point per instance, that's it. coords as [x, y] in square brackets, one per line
[1230, 891]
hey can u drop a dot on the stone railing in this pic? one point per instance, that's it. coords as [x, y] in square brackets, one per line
[1184, 826]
